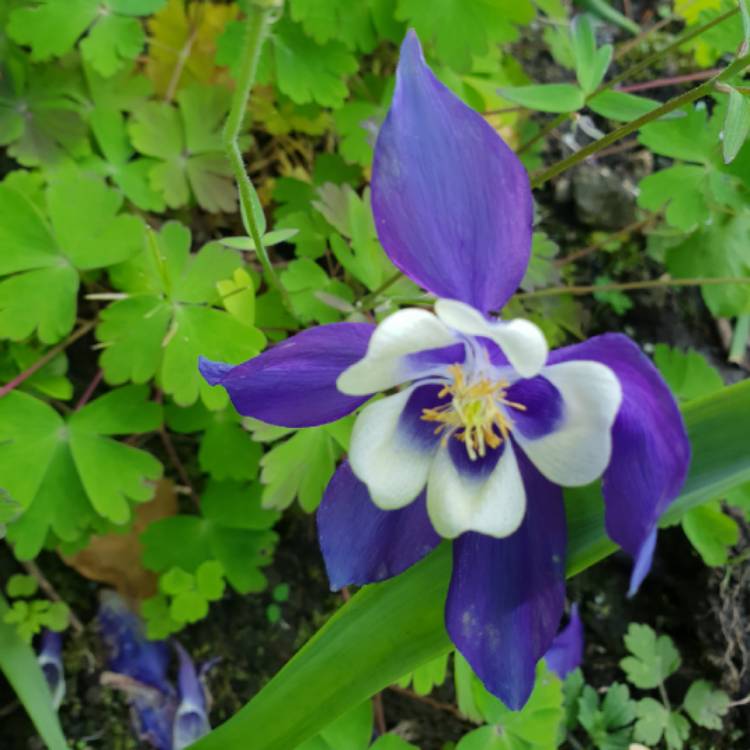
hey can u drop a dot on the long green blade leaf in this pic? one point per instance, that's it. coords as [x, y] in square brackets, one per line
[19, 665]
[391, 628]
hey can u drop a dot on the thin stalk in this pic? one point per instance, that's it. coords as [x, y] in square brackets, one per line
[740, 337]
[675, 103]
[700, 75]
[629, 286]
[629, 73]
[47, 357]
[256, 29]
[387, 284]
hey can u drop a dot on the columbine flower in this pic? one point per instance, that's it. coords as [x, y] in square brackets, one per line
[164, 718]
[487, 425]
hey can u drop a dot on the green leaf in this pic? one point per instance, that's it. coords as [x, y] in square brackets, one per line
[688, 374]
[176, 581]
[705, 705]
[85, 231]
[608, 725]
[39, 115]
[402, 620]
[350, 23]
[306, 71]
[427, 676]
[185, 142]
[209, 580]
[313, 294]
[352, 731]
[547, 97]
[689, 138]
[21, 585]
[621, 106]
[188, 606]
[356, 139]
[736, 125]
[718, 250]
[130, 175]
[238, 296]
[233, 529]
[50, 380]
[653, 658]
[712, 532]
[677, 730]
[591, 64]
[170, 319]
[64, 474]
[19, 665]
[536, 725]
[299, 467]
[52, 29]
[652, 721]
[682, 189]
[463, 29]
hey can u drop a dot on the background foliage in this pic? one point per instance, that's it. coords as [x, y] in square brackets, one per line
[123, 258]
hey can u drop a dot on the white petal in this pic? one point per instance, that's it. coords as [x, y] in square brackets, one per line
[522, 342]
[384, 458]
[494, 505]
[578, 451]
[405, 332]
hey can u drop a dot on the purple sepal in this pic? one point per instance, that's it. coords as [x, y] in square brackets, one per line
[650, 448]
[191, 718]
[50, 660]
[452, 203]
[363, 544]
[566, 652]
[293, 384]
[506, 596]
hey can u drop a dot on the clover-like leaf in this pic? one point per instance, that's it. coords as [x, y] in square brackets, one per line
[351, 23]
[185, 142]
[688, 374]
[227, 451]
[465, 28]
[40, 120]
[653, 658]
[131, 175]
[304, 70]
[301, 466]
[711, 531]
[82, 230]
[113, 33]
[534, 727]
[233, 530]
[170, 318]
[706, 705]
[68, 475]
[180, 27]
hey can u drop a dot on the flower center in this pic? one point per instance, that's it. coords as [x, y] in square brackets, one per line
[475, 414]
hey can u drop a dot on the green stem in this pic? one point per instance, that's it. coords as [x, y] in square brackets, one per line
[630, 286]
[675, 103]
[630, 73]
[256, 29]
[368, 299]
[739, 339]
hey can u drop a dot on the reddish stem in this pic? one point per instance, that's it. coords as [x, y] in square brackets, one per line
[46, 357]
[701, 75]
[90, 388]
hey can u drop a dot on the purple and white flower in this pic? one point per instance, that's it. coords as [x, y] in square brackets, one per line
[481, 425]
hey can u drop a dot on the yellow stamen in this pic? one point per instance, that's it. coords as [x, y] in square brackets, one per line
[475, 414]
